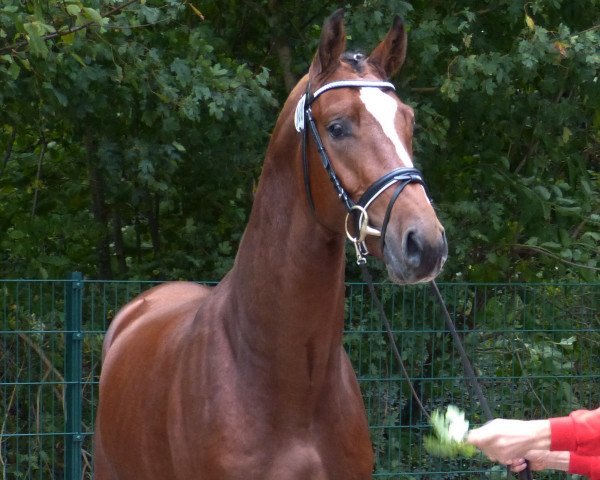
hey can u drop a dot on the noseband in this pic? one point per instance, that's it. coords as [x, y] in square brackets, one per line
[401, 176]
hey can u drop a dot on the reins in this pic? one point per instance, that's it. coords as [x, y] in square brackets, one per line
[464, 358]
[366, 274]
[466, 362]
[401, 176]
[467, 366]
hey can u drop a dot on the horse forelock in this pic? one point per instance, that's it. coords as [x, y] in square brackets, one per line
[356, 60]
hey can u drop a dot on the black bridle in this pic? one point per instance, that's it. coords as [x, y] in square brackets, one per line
[401, 176]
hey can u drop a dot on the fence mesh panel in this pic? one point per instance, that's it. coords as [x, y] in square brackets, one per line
[536, 348]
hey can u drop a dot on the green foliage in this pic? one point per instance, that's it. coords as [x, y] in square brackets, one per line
[449, 432]
[132, 132]
[110, 127]
[516, 166]
[30, 385]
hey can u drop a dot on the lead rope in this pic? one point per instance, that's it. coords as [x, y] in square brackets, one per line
[390, 334]
[467, 366]
[470, 372]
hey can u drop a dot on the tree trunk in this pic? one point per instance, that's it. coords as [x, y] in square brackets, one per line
[99, 210]
[282, 46]
[152, 215]
[8, 151]
[118, 241]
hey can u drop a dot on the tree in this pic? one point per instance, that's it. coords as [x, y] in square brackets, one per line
[514, 131]
[133, 132]
[127, 97]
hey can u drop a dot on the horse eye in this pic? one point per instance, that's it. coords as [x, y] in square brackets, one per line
[336, 130]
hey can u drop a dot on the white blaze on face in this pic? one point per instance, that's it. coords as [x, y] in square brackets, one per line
[384, 108]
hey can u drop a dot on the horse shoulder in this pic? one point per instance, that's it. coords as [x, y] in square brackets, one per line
[142, 357]
[167, 302]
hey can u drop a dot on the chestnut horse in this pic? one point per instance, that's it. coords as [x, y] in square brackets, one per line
[249, 379]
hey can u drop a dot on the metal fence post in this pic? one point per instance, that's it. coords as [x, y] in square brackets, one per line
[73, 373]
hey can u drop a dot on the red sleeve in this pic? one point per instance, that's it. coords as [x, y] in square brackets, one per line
[579, 432]
[585, 465]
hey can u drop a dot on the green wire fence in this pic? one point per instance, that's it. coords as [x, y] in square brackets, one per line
[536, 348]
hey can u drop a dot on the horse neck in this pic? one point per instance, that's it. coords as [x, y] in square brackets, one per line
[287, 283]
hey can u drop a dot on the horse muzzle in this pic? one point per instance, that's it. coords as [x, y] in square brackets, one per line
[417, 254]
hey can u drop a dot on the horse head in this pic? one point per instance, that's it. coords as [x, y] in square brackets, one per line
[356, 127]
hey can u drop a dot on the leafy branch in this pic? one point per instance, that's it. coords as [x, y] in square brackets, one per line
[450, 429]
[553, 255]
[38, 175]
[69, 31]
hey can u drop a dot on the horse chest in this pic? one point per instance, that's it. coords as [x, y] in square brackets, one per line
[238, 431]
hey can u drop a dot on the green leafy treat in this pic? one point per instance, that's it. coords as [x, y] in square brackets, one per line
[449, 434]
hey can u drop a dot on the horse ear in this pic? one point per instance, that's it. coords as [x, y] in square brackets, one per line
[389, 55]
[331, 46]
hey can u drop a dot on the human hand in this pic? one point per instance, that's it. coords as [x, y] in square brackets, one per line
[537, 459]
[541, 460]
[504, 440]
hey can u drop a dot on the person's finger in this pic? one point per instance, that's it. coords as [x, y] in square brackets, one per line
[517, 465]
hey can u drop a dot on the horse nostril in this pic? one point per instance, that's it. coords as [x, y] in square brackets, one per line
[413, 248]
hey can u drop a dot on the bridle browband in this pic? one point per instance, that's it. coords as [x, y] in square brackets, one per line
[401, 176]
